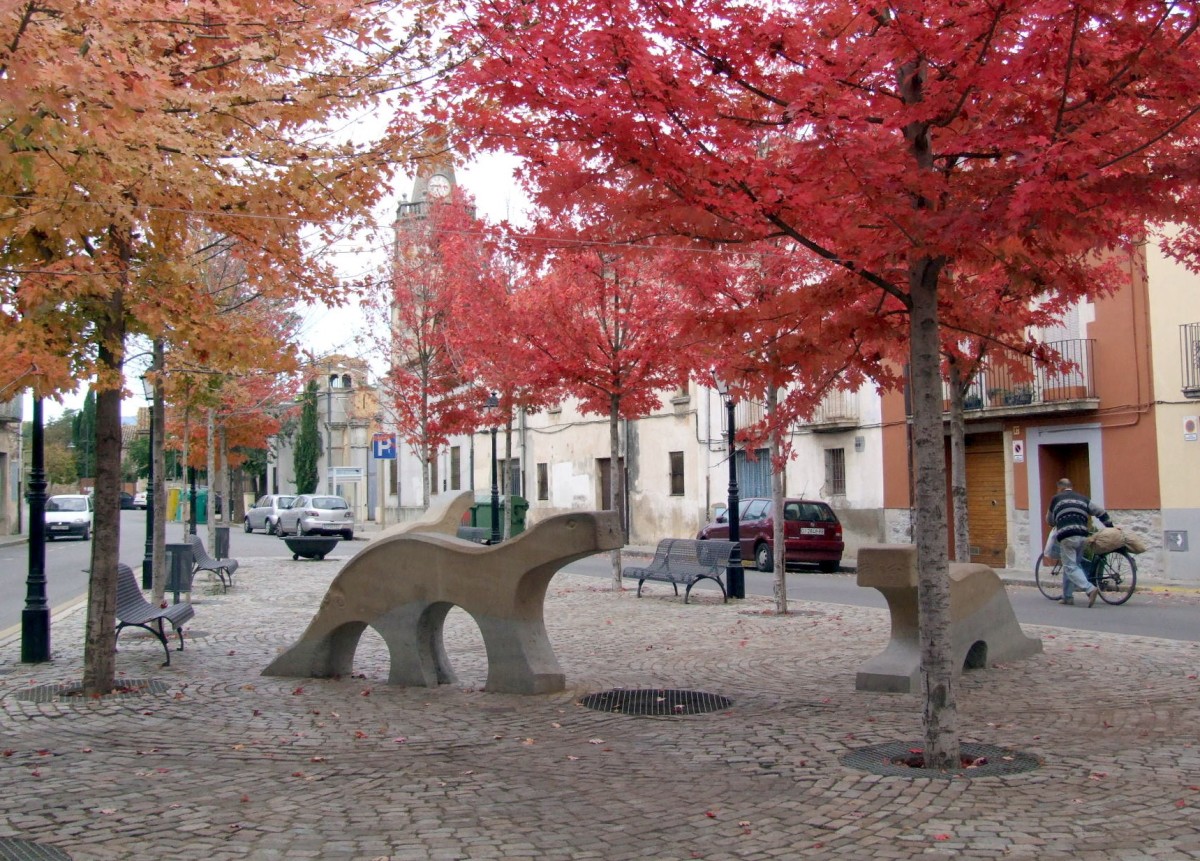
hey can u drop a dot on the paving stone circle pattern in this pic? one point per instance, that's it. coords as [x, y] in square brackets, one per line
[208, 760]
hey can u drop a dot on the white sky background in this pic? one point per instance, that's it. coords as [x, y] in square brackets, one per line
[491, 180]
[497, 196]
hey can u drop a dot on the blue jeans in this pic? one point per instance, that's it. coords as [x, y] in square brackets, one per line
[1070, 550]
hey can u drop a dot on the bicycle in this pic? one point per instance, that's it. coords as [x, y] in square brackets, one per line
[1114, 572]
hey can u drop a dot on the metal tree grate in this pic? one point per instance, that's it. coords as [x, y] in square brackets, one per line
[125, 688]
[664, 702]
[890, 760]
[26, 850]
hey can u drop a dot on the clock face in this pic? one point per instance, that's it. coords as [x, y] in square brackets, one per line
[438, 186]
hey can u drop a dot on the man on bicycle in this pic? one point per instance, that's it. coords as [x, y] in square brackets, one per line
[1069, 514]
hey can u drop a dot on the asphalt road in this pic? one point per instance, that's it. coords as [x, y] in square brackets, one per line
[68, 559]
[1173, 615]
[1149, 613]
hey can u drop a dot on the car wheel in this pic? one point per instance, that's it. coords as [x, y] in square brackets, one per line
[246, 527]
[86, 534]
[272, 527]
[49, 537]
[830, 565]
[348, 535]
[762, 558]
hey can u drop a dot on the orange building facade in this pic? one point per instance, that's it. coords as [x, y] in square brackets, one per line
[1117, 424]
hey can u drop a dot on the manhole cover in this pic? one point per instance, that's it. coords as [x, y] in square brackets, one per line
[656, 701]
[124, 689]
[987, 761]
[27, 850]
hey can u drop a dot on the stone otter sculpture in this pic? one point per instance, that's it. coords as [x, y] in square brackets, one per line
[983, 627]
[403, 584]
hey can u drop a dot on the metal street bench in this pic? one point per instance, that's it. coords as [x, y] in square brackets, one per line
[133, 610]
[478, 534]
[201, 561]
[686, 561]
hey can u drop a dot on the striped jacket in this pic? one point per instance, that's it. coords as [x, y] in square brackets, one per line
[1069, 513]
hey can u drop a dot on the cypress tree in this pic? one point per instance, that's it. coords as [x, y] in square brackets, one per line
[308, 442]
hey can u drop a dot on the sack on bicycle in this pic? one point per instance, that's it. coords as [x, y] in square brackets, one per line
[1114, 538]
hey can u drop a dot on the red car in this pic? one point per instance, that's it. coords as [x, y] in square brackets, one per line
[812, 533]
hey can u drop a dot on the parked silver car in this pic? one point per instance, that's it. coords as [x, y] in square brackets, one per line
[264, 514]
[317, 515]
[69, 514]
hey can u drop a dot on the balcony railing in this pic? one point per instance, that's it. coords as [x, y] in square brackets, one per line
[10, 411]
[1189, 359]
[1023, 382]
[839, 407]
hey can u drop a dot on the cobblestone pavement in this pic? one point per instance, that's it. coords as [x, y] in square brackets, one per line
[213, 761]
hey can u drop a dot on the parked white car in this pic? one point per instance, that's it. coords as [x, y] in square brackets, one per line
[69, 514]
[317, 515]
[139, 500]
[264, 514]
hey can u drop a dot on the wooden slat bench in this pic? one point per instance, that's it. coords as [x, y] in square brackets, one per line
[201, 561]
[686, 561]
[134, 611]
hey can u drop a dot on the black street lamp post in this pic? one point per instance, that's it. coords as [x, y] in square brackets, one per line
[191, 471]
[735, 576]
[148, 556]
[35, 618]
[493, 404]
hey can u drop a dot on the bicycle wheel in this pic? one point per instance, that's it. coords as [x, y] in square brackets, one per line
[1117, 577]
[1048, 576]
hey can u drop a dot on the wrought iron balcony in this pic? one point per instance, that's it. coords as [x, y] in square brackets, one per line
[1023, 386]
[837, 411]
[1189, 359]
[10, 411]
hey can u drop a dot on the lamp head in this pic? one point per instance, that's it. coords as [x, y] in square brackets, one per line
[720, 385]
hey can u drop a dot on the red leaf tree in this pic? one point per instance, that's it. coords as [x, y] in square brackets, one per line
[905, 146]
[602, 324]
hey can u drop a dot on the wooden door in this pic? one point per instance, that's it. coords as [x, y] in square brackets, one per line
[1063, 460]
[986, 506]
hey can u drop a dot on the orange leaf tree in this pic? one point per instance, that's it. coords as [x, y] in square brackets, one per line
[157, 119]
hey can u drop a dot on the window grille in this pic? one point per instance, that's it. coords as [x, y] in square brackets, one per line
[835, 471]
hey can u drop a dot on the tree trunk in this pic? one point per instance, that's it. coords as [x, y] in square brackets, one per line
[158, 411]
[930, 527]
[210, 469]
[100, 643]
[958, 465]
[615, 490]
[185, 513]
[779, 536]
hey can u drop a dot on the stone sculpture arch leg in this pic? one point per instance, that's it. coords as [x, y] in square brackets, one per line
[404, 585]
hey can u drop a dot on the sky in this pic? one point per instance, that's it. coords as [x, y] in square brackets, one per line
[491, 180]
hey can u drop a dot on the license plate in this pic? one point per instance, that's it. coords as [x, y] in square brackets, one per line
[59, 526]
[811, 530]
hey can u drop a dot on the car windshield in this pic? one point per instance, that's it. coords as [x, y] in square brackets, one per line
[66, 503]
[329, 503]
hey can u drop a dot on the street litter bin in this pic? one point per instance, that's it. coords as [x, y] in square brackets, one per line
[512, 514]
[517, 507]
[221, 542]
[174, 508]
[202, 505]
[179, 569]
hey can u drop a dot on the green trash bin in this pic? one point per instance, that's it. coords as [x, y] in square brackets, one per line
[517, 507]
[202, 505]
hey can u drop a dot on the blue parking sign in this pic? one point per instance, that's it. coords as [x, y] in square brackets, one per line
[383, 446]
